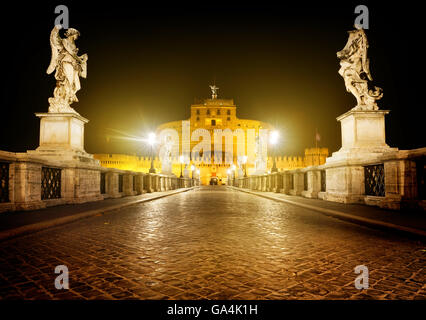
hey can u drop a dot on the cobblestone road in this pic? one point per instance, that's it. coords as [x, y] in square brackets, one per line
[212, 243]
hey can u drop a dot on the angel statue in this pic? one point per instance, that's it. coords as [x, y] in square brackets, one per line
[355, 70]
[166, 156]
[214, 91]
[259, 154]
[69, 68]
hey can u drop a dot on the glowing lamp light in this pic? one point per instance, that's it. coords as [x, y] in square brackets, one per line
[228, 172]
[181, 159]
[273, 137]
[244, 159]
[234, 167]
[151, 138]
[198, 171]
[192, 167]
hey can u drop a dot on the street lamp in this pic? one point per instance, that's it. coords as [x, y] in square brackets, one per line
[151, 141]
[245, 165]
[273, 140]
[181, 163]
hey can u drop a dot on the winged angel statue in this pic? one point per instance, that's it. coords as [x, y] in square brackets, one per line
[355, 70]
[69, 68]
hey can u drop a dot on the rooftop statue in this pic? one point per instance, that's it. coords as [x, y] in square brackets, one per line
[355, 70]
[69, 68]
[214, 91]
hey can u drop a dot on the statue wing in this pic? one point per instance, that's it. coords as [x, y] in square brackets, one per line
[56, 46]
[365, 60]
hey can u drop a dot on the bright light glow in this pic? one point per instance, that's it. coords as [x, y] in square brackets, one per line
[273, 137]
[228, 172]
[192, 167]
[234, 167]
[244, 159]
[181, 159]
[198, 171]
[151, 138]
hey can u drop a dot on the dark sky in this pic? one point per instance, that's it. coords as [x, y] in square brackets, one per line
[147, 63]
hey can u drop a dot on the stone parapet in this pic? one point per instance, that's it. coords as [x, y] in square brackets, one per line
[392, 180]
[35, 182]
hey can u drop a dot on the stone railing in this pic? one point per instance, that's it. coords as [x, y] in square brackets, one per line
[393, 181]
[28, 182]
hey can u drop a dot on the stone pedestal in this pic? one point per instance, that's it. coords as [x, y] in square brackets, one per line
[363, 135]
[363, 141]
[62, 146]
[62, 138]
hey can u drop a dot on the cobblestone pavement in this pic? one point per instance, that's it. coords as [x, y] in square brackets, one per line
[212, 243]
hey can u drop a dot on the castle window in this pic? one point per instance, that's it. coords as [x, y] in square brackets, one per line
[228, 112]
[218, 111]
[213, 122]
[198, 111]
[228, 118]
[198, 118]
[208, 111]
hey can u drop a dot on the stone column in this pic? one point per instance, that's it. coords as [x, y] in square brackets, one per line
[111, 184]
[263, 180]
[268, 182]
[139, 183]
[298, 183]
[314, 184]
[27, 185]
[279, 182]
[128, 185]
[286, 183]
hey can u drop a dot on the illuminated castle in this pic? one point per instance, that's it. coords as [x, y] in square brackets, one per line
[211, 114]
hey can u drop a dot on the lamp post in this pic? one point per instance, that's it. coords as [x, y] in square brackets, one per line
[151, 141]
[273, 140]
[233, 168]
[181, 163]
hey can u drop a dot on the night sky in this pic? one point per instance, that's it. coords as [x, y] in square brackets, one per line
[147, 63]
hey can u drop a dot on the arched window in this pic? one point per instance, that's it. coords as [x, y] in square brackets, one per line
[218, 111]
[208, 111]
[228, 112]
